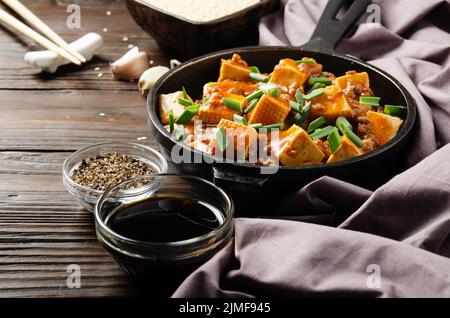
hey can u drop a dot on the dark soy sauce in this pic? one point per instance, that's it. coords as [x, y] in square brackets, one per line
[164, 219]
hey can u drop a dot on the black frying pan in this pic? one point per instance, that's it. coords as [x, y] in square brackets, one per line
[245, 183]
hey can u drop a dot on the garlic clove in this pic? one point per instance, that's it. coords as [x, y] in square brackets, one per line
[150, 77]
[131, 65]
[174, 63]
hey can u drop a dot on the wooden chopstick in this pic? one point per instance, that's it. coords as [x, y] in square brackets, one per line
[32, 19]
[17, 25]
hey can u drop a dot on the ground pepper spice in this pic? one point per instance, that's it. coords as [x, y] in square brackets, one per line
[109, 169]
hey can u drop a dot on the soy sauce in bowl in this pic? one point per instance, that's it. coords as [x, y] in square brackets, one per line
[163, 233]
[165, 219]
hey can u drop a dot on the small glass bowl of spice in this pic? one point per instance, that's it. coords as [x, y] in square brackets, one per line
[92, 170]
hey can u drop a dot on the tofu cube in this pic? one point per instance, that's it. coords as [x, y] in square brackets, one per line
[169, 102]
[331, 105]
[233, 87]
[383, 127]
[287, 74]
[240, 137]
[234, 69]
[269, 110]
[210, 114]
[353, 80]
[214, 109]
[346, 150]
[297, 148]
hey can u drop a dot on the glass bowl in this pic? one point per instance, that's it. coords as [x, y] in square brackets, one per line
[164, 265]
[88, 197]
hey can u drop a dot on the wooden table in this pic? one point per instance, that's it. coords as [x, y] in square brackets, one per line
[43, 118]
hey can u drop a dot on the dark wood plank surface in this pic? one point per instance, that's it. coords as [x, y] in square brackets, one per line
[69, 119]
[42, 119]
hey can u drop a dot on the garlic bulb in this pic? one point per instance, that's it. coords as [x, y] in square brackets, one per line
[150, 77]
[131, 65]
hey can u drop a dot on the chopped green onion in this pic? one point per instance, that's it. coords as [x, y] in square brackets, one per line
[250, 106]
[343, 124]
[318, 122]
[255, 69]
[256, 126]
[188, 113]
[316, 86]
[272, 126]
[171, 121]
[233, 104]
[179, 133]
[321, 132]
[295, 106]
[299, 96]
[353, 137]
[222, 139]
[255, 95]
[300, 117]
[185, 94]
[346, 129]
[334, 140]
[205, 100]
[305, 61]
[394, 110]
[239, 119]
[258, 77]
[184, 101]
[369, 100]
[322, 80]
[314, 94]
[270, 88]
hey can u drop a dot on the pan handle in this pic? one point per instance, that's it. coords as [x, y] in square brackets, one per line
[329, 30]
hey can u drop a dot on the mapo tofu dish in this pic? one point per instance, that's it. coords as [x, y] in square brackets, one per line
[304, 114]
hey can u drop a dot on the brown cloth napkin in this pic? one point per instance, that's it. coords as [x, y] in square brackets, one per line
[396, 243]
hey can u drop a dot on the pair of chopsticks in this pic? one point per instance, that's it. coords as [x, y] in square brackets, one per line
[58, 46]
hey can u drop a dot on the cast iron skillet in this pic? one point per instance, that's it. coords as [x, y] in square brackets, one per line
[244, 182]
